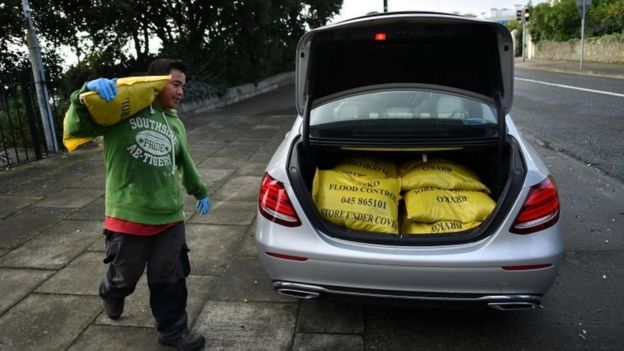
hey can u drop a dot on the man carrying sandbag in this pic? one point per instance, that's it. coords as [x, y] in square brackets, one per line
[146, 157]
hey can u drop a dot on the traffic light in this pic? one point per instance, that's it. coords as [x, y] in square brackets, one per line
[519, 15]
[527, 14]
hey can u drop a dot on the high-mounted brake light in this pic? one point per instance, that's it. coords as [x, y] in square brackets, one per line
[274, 204]
[380, 36]
[540, 209]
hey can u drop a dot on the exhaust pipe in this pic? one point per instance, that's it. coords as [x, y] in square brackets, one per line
[513, 306]
[300, 294]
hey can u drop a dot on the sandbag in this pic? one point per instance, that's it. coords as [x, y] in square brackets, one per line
[441, 227]
[133, 95]
[71, 142]
[357, 203]
[431, 205]
[440, 174]
[371, 167]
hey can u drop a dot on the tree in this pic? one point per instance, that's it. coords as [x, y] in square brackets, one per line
[13, 50]
[562, 22]
[607, 17]
[225, 42]
[320, 11]
[559, 22]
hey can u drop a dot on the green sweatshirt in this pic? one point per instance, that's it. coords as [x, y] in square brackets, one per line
[142, 173]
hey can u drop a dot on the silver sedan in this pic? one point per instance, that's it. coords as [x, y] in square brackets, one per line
[408, 90]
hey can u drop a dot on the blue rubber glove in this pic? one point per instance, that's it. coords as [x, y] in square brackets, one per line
[105, 88]
[203, 206]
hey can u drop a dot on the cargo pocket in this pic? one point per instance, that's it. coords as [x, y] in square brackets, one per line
[185, 265]
[112, 246]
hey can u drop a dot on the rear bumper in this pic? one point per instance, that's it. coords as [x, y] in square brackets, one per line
[466, 272]
[474, 269]
[423, 281]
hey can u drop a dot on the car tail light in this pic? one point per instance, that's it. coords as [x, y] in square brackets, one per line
[274, 203]
[540, 210]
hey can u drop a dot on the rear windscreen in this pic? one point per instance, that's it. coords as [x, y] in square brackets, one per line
[403, 114]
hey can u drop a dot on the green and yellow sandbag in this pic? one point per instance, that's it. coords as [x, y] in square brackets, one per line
[357, 203]
[440, 227]
[440, 174]
[430, 205]
[133, 95]
[370, 167]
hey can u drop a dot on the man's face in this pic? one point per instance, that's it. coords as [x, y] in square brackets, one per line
[171, 95]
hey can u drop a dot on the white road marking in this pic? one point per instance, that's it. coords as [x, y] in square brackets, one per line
[571, 87]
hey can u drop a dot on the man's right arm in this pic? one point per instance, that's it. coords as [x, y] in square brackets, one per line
[78, 123]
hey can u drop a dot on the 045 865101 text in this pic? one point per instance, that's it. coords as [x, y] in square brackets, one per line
[353, 200]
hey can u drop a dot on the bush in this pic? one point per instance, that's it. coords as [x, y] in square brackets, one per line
[608, 38]
[198, 91]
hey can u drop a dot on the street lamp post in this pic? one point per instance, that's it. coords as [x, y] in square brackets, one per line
[582, 5]
[43, 98]
[582, 35]
[523, 35]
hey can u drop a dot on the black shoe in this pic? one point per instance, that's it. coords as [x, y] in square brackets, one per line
[189, 341]
[113, 309]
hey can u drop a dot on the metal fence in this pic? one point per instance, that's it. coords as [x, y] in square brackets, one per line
[21, 132]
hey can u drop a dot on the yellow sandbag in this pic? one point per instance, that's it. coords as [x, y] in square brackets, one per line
[431, 205]
[357, 203]
[133, 95]
[441, 227]
[367, 167]
[70, 142]
[441, 174]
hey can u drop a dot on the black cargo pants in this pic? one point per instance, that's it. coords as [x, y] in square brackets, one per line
[166, 256]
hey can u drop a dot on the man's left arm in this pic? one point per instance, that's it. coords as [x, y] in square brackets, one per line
[191, 179]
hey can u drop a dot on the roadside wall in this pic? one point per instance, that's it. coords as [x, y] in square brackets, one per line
[596, 51]
[239, 93]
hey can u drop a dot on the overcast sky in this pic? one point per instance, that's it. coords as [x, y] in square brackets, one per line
[356, 8]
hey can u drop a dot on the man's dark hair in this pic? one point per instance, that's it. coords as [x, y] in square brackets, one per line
[163, 66]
